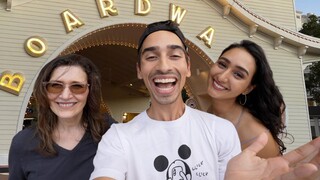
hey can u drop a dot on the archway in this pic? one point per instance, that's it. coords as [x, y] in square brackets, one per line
[114, 50]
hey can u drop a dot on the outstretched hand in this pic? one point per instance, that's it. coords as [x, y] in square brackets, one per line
[301, 163]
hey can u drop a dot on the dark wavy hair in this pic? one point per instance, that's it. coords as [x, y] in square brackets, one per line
[92, 119]
[265, 102]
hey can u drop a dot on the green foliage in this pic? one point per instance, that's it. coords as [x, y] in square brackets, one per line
[313, 81]
[312, 28]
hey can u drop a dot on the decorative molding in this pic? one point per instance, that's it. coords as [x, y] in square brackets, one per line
[302, 51]
[292, 37]
[277, 42]
[9, 5]
[104, 36]
[300, 35]
[252, 30]
[100, 38]
[226, 10]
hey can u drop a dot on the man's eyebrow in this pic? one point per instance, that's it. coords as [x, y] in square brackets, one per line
[239, 67]
[176, 47]
[152, 48]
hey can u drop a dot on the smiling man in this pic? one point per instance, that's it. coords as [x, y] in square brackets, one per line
[169, 140]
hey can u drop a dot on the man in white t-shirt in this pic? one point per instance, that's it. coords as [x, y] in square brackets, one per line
[170, 140]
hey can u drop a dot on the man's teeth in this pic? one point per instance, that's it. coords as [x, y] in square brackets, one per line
[170, 80]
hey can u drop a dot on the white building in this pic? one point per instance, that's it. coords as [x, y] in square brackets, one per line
[105, 37]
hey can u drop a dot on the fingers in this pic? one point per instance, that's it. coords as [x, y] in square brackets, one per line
[316, 159]
[304, 171]
[304, 161]
[307, 151]
[258, 144]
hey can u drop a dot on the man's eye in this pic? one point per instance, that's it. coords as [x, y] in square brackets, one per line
[175, 56]
[151, 57]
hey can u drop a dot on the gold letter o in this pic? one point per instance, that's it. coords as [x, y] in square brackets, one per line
[35, 46]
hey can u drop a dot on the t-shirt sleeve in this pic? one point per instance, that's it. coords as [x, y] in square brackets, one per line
[110, 160]
[15, 158]
[229, 145]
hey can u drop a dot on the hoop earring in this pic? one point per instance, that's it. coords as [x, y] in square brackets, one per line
[245, 100]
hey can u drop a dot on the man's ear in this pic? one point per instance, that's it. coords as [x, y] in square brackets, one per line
[138, 71]
[188, 65]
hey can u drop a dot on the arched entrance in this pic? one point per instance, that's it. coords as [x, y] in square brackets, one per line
[114, 50]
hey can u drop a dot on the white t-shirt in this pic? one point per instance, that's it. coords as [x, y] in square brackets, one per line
[196, 146]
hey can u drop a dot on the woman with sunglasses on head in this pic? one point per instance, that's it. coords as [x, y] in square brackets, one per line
[243, 91]
[69, 126]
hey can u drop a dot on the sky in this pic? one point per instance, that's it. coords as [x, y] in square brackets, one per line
[308, 6]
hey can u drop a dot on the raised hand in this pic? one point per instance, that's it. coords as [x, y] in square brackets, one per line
[301, 163]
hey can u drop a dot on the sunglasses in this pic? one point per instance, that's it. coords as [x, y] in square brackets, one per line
[57, 87]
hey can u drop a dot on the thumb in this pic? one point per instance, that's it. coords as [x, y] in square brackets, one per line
[258, 144]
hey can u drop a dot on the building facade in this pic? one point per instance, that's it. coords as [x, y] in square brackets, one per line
[34, 32]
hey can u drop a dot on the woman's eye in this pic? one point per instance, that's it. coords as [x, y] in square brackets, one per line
[56, 85]
[77, 86]
[238, 75]
[221, 65]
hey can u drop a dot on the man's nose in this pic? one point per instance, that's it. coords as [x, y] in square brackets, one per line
[164, 64]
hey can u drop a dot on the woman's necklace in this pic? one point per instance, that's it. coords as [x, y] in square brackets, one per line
[237, 122]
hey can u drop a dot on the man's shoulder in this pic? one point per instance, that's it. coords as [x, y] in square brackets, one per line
[193, 110]
[201, 113]
[136, 122]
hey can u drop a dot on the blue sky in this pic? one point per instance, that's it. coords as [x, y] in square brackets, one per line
[308, 6]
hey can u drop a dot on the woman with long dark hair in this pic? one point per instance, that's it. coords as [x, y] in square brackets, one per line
[69, 126]
[243, 91]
